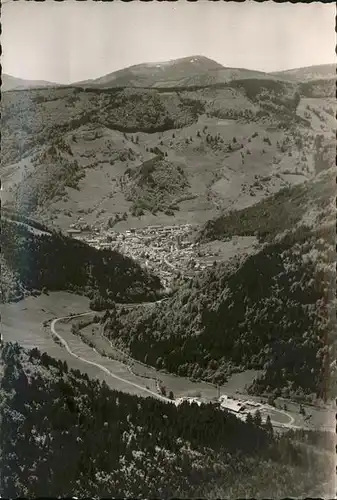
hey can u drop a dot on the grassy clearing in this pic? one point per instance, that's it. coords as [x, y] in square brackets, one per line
[22, 322]
[91, 334]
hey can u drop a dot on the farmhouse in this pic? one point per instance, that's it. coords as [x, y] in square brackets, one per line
[190, 400]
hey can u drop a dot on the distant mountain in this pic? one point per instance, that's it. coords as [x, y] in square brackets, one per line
[184, 72]
[192, 71]
[321, 71]
[9, 82]
[150, 74]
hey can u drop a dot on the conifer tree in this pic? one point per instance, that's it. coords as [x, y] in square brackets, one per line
[269, 426]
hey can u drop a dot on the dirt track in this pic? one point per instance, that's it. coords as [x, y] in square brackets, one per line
[99, 365]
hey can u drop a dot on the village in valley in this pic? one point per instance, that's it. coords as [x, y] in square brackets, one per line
[164, 250]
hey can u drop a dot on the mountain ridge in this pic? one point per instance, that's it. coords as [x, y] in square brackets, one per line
[75, 138]
[200, 62]
[185, 71]
[10, 82]
[305, 73]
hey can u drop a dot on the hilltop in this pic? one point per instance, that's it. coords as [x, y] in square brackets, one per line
[199, 71]
[168, 73]
[192, 71]
[185, 72]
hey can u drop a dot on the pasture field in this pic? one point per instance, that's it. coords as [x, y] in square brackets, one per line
[28, 323]
[22, 322]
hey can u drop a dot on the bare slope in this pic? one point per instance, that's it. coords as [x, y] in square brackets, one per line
[9, 82]
[306, 73]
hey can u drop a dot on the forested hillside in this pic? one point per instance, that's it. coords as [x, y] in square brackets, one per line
[43, 261]
[226, 142]
[323, 87]
[155, 185]
[64, 435]
[268, 312]
[310, 201]
[51, 113]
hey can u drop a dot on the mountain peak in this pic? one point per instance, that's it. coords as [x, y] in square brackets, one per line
[161, 72]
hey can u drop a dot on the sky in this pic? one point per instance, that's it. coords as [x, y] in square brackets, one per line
[71, 41]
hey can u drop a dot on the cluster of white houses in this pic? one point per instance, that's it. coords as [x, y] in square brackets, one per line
[164, 250]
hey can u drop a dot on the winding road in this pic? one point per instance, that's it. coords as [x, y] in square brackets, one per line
[101, 367]
[54, 322]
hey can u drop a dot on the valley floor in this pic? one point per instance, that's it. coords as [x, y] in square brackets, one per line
[167, 250]
[28, 322]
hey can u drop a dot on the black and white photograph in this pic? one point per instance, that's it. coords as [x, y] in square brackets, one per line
[168, 256]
